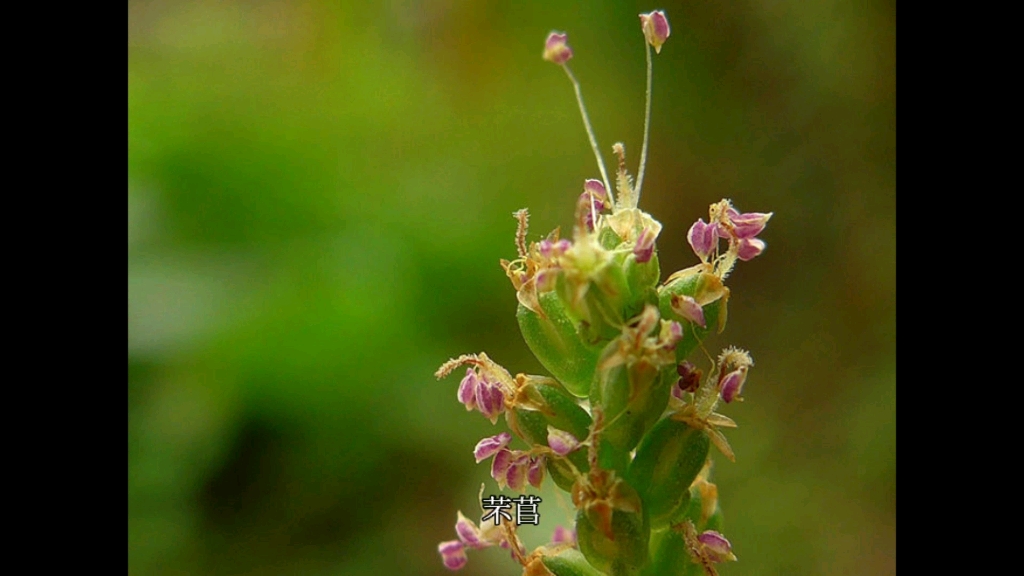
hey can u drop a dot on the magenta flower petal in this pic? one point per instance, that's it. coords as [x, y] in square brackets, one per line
[688, 308]
[749, 224]
[717, 545]
[515, 477]
[453, 554]
[468, 389]
[490, 400]
[561, 442]
[500, 465]
[689, 379]
[655, 27]
[596, 189]
[732, 384]
[555, 48]
[750, 248]
[702, 238]
[564, 536]
[535, 474]
[468, 533]
[644, 248]
[490, 446]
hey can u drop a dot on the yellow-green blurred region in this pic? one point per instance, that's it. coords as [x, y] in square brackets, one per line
[318, 196]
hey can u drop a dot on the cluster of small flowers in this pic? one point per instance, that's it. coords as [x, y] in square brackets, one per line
[593, 312]
[727, 223]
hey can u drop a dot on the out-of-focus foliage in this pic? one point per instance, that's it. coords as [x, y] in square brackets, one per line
[318, 195]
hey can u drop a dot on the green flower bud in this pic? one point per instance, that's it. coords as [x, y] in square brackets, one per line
[667, 461]
[642, 279]
[570, 563]
[557, 344]
[593, 288]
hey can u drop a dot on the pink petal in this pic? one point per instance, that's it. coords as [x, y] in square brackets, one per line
[732, 384]
[555, 48]
[561, 442]
[702, 238]
[490, 446]
[468, 389]
[500, 465]
[453, 554]
[515, 478]
[468, 533]
[689, 309]
[535, 475]
[750, 248]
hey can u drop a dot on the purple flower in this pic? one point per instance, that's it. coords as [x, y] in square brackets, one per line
[490, 400]
[467, 389]
[732, 384]
[742, 230]
[515, 476]
[469, 534]
[490, 446]
[555, 48]
[564, 536]
[750, 248]
[717, 547]
[747, 225]
[500, 465]
[655, 27]
[703, 239]
[561, 442]
[453, 554]
[595, 188]
[535, 473]
[644, 248]
[688, 308]
[689, 379]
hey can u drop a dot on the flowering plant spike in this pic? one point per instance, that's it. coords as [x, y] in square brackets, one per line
[626, 421]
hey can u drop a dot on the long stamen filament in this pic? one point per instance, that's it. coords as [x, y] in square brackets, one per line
[647, 126]
[590, 133]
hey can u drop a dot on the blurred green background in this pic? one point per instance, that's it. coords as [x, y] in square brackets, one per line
[318, 196]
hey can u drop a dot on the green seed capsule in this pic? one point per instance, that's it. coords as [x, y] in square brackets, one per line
[642, 280]
[671, 557]
[562, 473]
[570, 563]
[556, 343]
[541, 405]
[632, 399]
[625, 552]
[667, 461]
